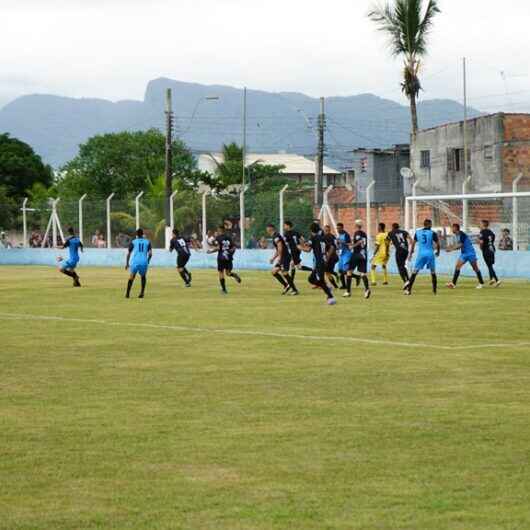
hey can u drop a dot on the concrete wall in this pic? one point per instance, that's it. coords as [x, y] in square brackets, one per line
[509, 264]
[485, 136]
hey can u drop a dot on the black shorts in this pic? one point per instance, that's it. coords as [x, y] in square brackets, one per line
[318, 274]
[401, 258]
[358, 262]
[182, 260]
[225, 264]
[285, 263]
[296, 257]
[489, 257]
[330, 264]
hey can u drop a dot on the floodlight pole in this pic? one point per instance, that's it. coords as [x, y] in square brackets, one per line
[282, 218]
[25, 222]
[515, 213]
[109, 198]
[368, 210]
[242, 217]
[54, 221]
[137, 207]
[80, 213]
[465, 203]
[243, 180]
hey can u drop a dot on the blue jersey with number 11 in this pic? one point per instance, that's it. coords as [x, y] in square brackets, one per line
[140, 248]
[425, 238]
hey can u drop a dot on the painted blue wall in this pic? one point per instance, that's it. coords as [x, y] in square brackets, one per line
[509, 264]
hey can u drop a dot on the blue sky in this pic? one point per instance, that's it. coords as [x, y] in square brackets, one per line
[111, 48]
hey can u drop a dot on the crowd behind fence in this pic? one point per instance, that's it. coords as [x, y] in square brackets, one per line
[110, 222]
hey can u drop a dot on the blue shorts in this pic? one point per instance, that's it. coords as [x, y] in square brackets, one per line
[344, 261]
[425, 262]
[468, 258]
[69, 264]
[139, 268]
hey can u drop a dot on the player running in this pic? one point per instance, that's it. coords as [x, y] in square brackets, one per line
[467, 255]
[487, 245]
[293, 240]
[225, 248]
[427, 241]
[142, 252]
[181, 246]
[401, 241]
[281, 261]
[381, 254]
[317, 245]
[343, 244]
[332, 257]
[358, 262]
[74, 245]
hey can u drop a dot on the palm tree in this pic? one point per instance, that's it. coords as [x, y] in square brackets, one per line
[408, 24]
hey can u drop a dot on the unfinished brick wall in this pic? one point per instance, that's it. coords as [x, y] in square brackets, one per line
[516, 150]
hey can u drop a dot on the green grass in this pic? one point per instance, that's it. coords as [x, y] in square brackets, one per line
[142, 414]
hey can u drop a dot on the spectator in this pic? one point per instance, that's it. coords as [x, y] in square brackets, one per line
[100, 242]
[263, 243]
[4, 242]
[505, 242]
[95, 238]
[35, 240]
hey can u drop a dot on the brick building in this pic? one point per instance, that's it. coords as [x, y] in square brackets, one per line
[498, 151]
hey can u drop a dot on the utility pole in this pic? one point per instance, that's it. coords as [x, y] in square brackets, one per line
[243, 179]
[319, 159]
[466, 172]
[169, 156]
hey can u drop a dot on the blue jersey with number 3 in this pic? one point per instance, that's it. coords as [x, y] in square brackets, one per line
[140, 248]
[425, 238]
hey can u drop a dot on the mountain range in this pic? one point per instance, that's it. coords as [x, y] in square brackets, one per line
[206, 116]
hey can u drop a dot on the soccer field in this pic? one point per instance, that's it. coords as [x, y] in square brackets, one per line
[192, 410]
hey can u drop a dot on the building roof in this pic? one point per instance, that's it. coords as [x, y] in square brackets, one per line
[475, 118]
[294, 164]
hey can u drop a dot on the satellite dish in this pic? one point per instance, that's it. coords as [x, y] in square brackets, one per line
[406, 173]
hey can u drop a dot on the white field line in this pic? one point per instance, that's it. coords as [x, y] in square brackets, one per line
[258, 333]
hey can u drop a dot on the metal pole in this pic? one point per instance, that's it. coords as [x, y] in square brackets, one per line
[54, 222]
[328, 218]
[407, 214]
[368, 212]
[414, 205]
[25, 223]
[282, 218]
[465, 205]
[137, 207]
[244, 134]
[109, 198]
[466, 172]
[169, 154]
[80, 212]
[204, 227]
[171, 212]
[242, 217]
[515, 213]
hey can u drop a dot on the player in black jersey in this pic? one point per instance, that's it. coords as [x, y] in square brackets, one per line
[317, 245]
[487, 245]
[359, 261]
[181, 246]
[332, 257]
[281, 261]
[401, 240]
[225, 248]
[293, 240]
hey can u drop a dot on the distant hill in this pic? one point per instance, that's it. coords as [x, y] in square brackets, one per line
[54, 126]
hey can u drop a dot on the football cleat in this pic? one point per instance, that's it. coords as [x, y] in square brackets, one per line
[367, 294]
[346, 295]
[332, 301]
[451, 285]
[479, 286]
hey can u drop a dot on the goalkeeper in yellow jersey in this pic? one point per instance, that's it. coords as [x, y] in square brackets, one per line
[381, 254]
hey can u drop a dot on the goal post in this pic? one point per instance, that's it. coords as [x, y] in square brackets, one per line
[507, 212]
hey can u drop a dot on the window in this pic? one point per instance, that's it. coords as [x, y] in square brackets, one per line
[455, 159]
[489, 153]
[425, 161]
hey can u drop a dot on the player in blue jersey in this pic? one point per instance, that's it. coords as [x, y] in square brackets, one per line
[142, 252]
[467, 255]
[345, 253]
[74, 245]
[429, 250]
